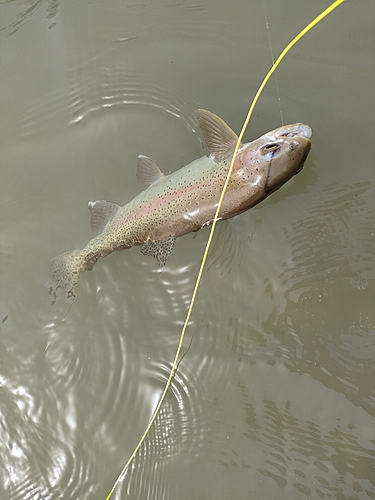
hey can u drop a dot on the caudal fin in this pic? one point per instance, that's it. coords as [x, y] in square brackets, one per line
[65, 269]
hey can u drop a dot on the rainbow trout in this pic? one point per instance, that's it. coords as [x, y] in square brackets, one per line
[186, 200]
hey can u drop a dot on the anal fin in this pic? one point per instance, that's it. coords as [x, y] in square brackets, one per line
[160, 250]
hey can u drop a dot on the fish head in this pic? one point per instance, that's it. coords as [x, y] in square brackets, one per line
[270, 161]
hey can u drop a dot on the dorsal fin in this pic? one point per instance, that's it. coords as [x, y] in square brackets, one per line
[219, 137]
[147, 171]
[101, 213]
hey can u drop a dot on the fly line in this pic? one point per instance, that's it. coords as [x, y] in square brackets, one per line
[204, 259]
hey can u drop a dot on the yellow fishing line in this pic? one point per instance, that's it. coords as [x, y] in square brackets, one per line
[175, 362]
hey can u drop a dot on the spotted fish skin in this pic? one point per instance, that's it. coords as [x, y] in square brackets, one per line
[186, 200]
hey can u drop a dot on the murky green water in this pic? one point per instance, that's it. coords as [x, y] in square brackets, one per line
[275, 396]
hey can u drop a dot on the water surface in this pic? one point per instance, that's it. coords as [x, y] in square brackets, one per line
[274, 397]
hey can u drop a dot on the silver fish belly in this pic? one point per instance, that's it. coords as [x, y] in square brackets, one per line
[187, 199]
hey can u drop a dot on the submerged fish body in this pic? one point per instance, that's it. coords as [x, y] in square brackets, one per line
[186, 200]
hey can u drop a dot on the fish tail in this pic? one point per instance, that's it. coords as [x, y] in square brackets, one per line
[65, 270]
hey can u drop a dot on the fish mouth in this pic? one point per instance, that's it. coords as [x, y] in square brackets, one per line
[297, 130]
[300, 170]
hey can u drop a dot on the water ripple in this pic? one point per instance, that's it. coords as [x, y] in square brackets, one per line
[182, 429]
[331, 263]
[306, 457]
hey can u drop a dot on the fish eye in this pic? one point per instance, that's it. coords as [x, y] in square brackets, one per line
[270, 148]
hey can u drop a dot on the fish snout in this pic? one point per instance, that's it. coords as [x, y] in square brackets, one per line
[295, 130]
[299, 149]
[304, 131]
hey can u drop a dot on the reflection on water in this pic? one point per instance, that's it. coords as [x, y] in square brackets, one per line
[331, 266]
[274, 397]
[313, 459]
[16, 13]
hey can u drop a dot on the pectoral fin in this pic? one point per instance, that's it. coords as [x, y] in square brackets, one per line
[147, 171]
[101, 213]
[160, 250]
[219, 137]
